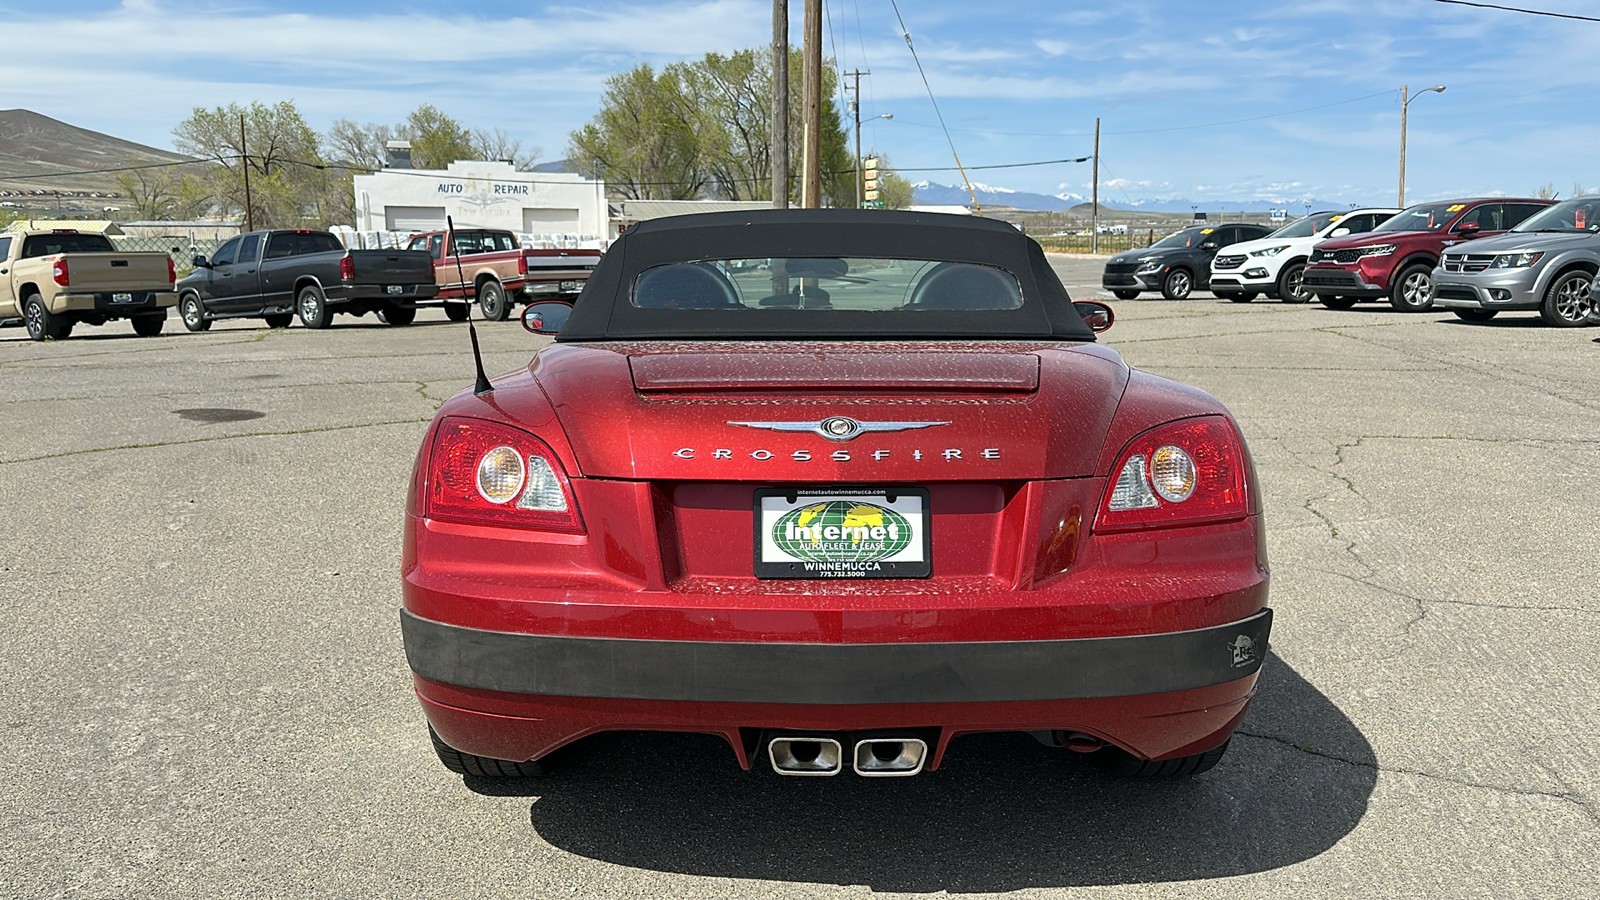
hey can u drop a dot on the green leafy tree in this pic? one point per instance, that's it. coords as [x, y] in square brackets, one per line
[643, 140]
[436, 139]
[894, 190]
[289, 181]
[151, 192]
[703, 129]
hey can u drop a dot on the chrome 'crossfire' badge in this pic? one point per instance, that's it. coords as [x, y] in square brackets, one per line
[839, 428]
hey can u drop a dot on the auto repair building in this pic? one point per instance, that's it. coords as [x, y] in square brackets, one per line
[484, 195]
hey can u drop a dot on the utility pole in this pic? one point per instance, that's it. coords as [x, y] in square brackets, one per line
[244, 166]
[1094, 209]
[811, 195]
[780, 104]
[855, 107]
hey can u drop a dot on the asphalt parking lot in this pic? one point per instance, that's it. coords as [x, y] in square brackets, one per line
[204, 692]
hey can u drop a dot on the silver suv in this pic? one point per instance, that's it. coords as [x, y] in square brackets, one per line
[1546, 263]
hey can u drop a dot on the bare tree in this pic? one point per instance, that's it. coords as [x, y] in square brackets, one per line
[497, 145]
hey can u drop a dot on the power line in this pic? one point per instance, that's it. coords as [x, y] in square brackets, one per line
[1517, 9]
[948, 139]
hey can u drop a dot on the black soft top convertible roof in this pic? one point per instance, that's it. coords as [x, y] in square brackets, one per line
[604, 310]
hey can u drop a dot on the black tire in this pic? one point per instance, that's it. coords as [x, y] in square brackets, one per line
[492, 301]
[193, 313]
[1178, 284]
[483, 766]
[44, 325]
[313, 307]
[1568, 300]
[1122, 765]
[456, 312]
[1238, 298]
[1412, 290]
[1291, 284]
[1125, 295]
[1332, 302]
[280, 320]
[398, 315]
[1475, 315]
[149, 326]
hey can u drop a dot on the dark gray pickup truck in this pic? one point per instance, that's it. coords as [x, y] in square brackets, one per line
[273, 275]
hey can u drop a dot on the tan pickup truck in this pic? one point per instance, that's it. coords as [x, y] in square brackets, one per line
[53, 280]
[497, 271]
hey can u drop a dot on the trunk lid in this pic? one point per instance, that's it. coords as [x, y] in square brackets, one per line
[928, 412]
[125, 272]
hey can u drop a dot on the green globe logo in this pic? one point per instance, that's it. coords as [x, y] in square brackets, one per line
[841, 531]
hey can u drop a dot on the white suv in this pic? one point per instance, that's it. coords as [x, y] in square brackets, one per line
[1273, 265]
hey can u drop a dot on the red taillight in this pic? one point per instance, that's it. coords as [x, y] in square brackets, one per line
[172, 271]
[484, 473]
[522, 264]
[59, 272]
[1181, 473]
[347, 269]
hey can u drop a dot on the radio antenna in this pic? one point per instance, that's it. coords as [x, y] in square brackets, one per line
[482, 386]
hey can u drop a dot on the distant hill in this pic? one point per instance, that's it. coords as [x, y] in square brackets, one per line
[34, 144]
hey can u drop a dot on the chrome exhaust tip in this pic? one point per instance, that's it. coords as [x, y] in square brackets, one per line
[890, 757]
[817, 756]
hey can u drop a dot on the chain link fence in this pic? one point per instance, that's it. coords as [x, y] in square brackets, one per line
[182, 246]
[1108, 243]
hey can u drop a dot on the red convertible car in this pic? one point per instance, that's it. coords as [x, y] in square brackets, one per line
[839, 486]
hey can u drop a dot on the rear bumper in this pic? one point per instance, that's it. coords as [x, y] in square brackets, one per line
[108, 304]
[409, 294]
[520, 696]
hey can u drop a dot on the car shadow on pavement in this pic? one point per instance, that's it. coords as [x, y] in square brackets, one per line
[1004, 813]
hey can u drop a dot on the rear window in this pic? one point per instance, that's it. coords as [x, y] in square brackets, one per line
[804, 283]
[466, 242]
[51, 244]
[299, 243]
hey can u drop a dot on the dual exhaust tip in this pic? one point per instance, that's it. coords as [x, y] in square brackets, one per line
[871, 757]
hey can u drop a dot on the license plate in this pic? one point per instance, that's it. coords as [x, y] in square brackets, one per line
[842, 533]
[121, 298]
[569, 287]
[394, 289]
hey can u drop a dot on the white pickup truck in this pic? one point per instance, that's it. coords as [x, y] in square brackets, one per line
[53, 280]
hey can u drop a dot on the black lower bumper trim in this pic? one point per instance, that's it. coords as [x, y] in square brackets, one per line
[835, 674]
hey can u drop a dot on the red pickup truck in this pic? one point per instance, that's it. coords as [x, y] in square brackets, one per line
[1395, 261]
[493, 268]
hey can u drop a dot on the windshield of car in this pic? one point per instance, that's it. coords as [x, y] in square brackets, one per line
[1188, 237]
[1423, 217]
[1307, 227]
[1580, 214]
[805, 283]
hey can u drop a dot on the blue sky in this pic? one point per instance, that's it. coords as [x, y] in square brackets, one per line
[1206, 101]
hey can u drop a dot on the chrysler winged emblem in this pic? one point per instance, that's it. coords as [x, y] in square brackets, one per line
[839, 428]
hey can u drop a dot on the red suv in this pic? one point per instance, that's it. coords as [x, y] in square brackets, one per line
[1396, 260]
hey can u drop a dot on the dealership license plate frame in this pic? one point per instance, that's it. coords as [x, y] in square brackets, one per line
[394, 289]
[913, 561]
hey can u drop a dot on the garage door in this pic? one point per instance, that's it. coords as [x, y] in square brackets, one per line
[549, 221]
[413, 218]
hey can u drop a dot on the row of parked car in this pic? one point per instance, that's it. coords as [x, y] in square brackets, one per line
[1477, 257]
[52, 281]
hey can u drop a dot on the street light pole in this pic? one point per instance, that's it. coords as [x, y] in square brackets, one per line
[1405, 102]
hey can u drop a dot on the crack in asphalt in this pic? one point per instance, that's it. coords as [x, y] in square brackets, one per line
[1585, 804]
[218, 437]
[1500, 369]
